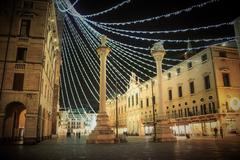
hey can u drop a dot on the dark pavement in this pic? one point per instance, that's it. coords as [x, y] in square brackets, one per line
[137, 148]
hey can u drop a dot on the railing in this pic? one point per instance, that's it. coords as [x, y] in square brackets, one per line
[20, 66]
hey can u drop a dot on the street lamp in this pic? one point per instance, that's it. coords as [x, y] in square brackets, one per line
[154, 120]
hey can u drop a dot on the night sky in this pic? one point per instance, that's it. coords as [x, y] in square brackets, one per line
[211, 14]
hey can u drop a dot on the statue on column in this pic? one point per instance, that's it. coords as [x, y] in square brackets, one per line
[103, 40]
[158, 46]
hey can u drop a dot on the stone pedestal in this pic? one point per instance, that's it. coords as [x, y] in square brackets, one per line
[164, 133]
[102, 132]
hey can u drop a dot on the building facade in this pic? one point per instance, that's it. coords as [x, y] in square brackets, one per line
[29, 70]
[199, 94]
[76, 121]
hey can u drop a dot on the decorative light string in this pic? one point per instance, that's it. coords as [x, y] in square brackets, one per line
[76, 35]
[162, 40]
[95, 46]
[97, 35]
[164, 15]
[165, 31]
[107, 10]
[78, 64]
[68, 70]
[68, 65]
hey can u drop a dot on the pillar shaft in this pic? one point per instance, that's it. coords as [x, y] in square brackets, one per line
[158, 56]
[103, 53]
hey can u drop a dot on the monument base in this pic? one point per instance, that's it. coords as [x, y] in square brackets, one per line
[163, 132]
[102, 133]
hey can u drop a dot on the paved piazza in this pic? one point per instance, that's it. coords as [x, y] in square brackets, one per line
[137, 148]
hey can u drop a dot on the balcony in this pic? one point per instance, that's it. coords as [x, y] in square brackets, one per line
[20, 66]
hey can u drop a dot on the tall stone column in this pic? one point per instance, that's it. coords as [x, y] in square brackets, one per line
[102, 133]
[163, 132]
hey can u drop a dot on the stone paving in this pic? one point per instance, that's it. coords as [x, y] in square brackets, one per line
[137, 148]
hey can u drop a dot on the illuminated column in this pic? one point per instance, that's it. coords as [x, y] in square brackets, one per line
[158, 53]
[103, 52]
[102, 133]
[162, 132]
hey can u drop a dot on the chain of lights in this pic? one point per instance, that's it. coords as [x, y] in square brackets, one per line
[121, 45]
[64, 87]
[162, 40]
[114, 53]
[95, 46]
[107, 10]
[76, 35]
[89, 53]
[164, 15]
[166, 31]
[65, 5]
[68, 71]
[167, 50]
[110, 56]
[83, 69]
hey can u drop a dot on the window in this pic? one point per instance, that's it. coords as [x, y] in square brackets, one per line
[18, 81]
[178, 71]
[21, 54]
[28, 4]
[128, 101]
[204, 57]
[170, 94]
[169, 75]
[136, 98]
[147, 103]
[25, 27]
[226, 81]
[153, 100]
[179, 91]
[141, 104]
[191, 85]
[132, 100]
[189, 65]
[222, 54]
[207, 82]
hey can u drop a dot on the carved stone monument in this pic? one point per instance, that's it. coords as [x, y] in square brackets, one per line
[102, 133]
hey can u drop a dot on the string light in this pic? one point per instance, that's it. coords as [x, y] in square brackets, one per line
[163, 16]
[76, 35]
[107, 10]
[166, 31]
[67, 75]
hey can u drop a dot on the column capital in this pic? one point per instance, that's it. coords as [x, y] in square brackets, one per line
[158, 51]
[158, 55]
[103, 51]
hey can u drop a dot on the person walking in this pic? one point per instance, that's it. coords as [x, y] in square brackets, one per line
[221, 132]
[215, 132]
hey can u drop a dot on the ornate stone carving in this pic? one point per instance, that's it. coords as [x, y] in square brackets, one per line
[103, 40]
